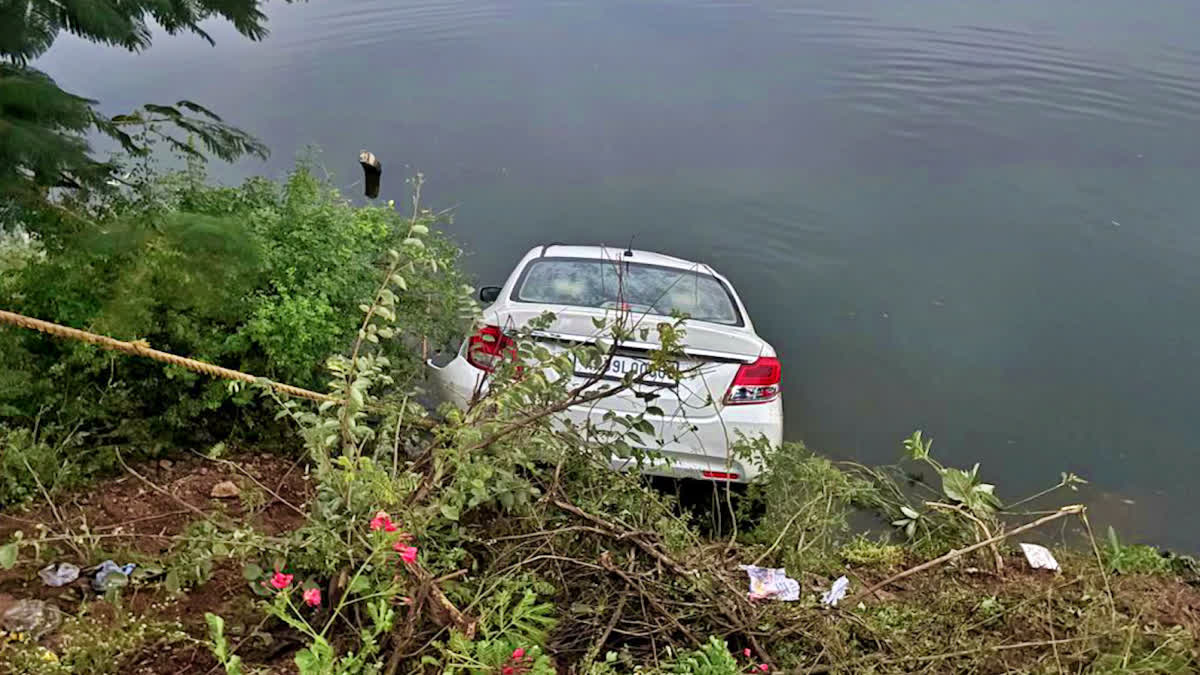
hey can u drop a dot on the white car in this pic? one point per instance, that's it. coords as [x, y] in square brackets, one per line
[734, 391]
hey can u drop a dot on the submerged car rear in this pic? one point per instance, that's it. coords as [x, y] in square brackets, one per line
[729, 383]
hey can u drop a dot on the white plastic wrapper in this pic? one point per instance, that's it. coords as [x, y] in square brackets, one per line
[836, 592]
[1039, 557]
[771, 583]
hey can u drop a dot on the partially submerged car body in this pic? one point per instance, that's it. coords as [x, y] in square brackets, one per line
[730, 386]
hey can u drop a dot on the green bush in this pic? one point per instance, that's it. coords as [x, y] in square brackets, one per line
[265, 278]
[807, 499]
[711, 658]
[1133, 558]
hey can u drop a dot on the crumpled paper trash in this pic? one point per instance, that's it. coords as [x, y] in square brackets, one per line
[1039, 557]
[110, 575]
[58, 574]
[836, 592]
[32, 617]
[771, 582]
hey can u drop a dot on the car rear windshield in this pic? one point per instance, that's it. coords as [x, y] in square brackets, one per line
[605, 284]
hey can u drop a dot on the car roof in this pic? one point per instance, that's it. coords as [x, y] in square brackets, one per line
[614, 253]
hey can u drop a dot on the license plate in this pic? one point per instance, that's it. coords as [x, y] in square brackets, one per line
[619, 366]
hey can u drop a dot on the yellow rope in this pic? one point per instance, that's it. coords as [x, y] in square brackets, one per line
[139, 348]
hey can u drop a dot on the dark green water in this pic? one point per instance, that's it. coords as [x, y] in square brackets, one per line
[975, 218]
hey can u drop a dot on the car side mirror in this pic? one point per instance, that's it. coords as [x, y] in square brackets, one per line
[489, 294]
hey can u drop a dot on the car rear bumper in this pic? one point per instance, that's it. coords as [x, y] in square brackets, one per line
[691, 446]
[701, 447]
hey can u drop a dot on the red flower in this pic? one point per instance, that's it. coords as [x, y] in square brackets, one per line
[382, 521]
[746, 652]
[763, 667]
[507, 670]
[312, 597]
[518, 654]
[407, 553]
[281, 581]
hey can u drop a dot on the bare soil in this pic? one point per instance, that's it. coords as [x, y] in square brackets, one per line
[145, 515]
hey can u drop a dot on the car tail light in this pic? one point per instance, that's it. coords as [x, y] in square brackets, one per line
[719, 475]
[487, 348]
[756, 382]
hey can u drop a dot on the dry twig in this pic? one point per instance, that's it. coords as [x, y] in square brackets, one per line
[1064, 511]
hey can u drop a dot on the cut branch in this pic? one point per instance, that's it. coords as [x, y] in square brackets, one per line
[1074, 509]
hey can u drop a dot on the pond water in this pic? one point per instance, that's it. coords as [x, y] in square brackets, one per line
[974, 218]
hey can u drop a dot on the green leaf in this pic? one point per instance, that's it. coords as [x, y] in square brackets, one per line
[163, 110]
[910, 529]
[216, 626]
[360, 585]
[655, 410]
[956, 484]
[8, 555]
[307, 663]
[450, 511]
[199, 109]
[909, 512]
[252, 572]
[173, 582]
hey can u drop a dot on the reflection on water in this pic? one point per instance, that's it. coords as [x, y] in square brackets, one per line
[974, 218]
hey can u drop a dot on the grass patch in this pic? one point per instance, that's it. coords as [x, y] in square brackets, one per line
[101, 639]
[1133, 558]
[866, 552]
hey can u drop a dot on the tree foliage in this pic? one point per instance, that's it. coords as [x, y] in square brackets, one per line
[43, 128]
[261, 278]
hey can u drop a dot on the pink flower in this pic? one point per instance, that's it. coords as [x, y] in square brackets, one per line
[507, 670]
[312, 597]
[518, 654]
[407, 553]
[382, 521]
[281, 581]
[763, 667]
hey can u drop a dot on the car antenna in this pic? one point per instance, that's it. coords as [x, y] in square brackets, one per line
[629, 248]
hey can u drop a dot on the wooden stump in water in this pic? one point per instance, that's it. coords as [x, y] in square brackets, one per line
[372, 170]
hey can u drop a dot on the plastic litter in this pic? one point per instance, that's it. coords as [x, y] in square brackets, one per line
[58, 574]
[32, 617]
[772, 583]
[110, 575]
[836, 592]
[1039, 557]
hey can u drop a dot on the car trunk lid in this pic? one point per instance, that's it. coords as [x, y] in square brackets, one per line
[712, 356]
